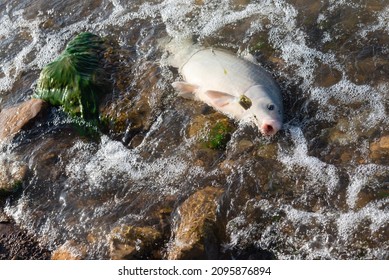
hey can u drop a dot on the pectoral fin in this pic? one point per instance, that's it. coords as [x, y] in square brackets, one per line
[220, 99]
[185, 90]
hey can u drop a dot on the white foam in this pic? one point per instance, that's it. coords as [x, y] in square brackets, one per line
[320, 173]
[347, 222]
[113, 161]
[362, 175]
[11, 66]
[381, 24]
[302, 217]
[345, 93]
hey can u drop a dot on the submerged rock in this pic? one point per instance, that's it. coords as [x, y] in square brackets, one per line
[131, 242]
[13, 119]
[379, 150]
[213, 130]
[128, 114]
[196, 236]
[70, 250]
[12, 174]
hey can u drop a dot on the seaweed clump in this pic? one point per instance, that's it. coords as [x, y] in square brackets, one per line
[218, 136]
[76, 80]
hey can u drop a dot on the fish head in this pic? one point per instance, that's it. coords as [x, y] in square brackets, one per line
[266, 110]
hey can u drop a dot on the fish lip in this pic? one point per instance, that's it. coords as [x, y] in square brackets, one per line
[270, 127]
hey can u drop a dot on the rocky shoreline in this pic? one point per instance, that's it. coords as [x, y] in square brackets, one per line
[159, 177]
[17, 244]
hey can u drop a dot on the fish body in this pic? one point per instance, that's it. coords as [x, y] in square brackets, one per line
[232, 85]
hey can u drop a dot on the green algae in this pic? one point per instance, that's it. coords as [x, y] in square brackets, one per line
[218, 136]
[76, 80]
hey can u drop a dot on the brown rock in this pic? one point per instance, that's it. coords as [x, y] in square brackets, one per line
[327, 76]
[13, 119]
[379, 150]
[4, 218]
[12, 173]
[196, 237]
[268, 151]
[227, 166]
[244, 145]
[199, 125]
[70, 250]
[131, 242]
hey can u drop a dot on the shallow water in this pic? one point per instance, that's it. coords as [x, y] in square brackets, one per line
[319, 189]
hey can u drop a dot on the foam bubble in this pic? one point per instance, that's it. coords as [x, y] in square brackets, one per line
[360, 177]
[381, 25]
[346, 93]
[347, 222]
[113, 161]
[318, 171]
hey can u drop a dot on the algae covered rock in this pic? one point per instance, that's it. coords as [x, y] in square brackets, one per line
[76, 80]
[219, 135]
[214, 130]
[196, 235]
[12, 174]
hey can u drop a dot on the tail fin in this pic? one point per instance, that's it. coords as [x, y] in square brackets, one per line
[179, 50]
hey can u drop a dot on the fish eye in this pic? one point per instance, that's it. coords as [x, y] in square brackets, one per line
[270, 107]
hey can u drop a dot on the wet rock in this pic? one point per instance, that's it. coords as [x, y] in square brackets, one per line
[130, 114]
[4, 218]
[379, 150]
[253, 253]
[213, 130]
[17, 244]
[131, 242]
[267, 151]
[245, 145]
[368, 65]
[327, 77]
[200, 123]
[196, 236]
[13, 119]
[12, 174]
[70, 250]
[227, 166]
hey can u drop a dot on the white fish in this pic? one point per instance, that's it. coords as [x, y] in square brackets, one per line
[235, 86]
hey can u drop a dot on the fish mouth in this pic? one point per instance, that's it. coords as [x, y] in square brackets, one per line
[269, 128]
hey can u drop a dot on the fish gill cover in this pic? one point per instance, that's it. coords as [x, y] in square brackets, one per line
[76, 79]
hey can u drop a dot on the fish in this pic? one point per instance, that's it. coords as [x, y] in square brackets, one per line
[235, 86]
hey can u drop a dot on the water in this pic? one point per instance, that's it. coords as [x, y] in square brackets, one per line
[319, 189]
